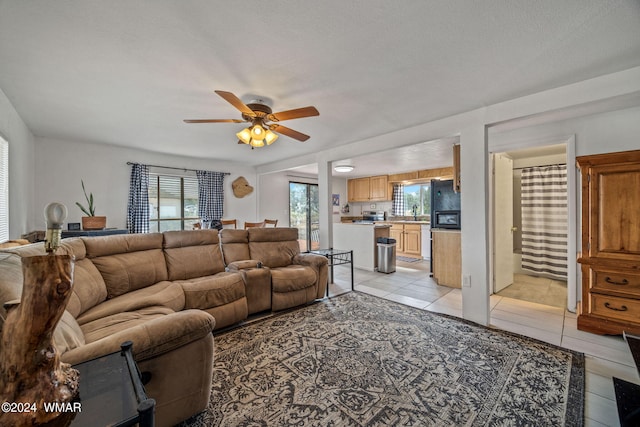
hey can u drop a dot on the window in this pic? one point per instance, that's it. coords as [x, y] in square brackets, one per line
[418, 195]
[173, 202]
[304, 214]
[4, 190]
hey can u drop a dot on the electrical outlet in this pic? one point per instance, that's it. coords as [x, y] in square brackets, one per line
[466, 281]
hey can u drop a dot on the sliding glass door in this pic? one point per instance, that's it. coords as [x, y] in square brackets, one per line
[303, 214]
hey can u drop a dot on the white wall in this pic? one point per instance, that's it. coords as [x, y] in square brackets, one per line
[60, 165]
[21, 166]
[596, 133]
[339, 187]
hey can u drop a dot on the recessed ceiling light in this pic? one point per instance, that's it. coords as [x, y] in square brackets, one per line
[343, 168]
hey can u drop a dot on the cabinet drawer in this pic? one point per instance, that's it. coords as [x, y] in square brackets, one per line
[412, 227]
[615, 308]
[607, 281]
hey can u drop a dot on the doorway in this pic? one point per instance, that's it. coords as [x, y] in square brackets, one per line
[530, 225]
[304, 214]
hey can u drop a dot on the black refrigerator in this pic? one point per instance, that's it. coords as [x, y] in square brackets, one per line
[443, 198]
[445, 203]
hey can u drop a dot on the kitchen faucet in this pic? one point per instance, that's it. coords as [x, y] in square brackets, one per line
[415, 212]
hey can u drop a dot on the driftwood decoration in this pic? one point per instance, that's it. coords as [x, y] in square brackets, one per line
[31, 374]
[241, 187]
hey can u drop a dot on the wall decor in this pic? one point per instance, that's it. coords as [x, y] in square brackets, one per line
[241, 187]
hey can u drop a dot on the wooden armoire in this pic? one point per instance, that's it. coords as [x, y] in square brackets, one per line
[610, 258]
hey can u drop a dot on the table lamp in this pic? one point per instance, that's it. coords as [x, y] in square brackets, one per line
[55, 213]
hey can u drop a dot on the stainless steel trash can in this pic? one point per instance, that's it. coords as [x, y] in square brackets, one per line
[386, 254]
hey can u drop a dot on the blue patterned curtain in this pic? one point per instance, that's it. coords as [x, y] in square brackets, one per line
[138, 206]
[211, 197]
[397, 207]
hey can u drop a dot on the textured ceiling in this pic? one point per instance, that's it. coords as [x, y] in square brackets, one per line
[128, 72]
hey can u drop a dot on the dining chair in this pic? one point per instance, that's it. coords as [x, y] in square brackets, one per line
[253, 225]
[233, 222]
[268, 222]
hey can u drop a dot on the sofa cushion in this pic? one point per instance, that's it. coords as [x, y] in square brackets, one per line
[162, 294]
[110, 325]
[128, 261]
[292, 278]
[212, 291]
[235, 245]
[275, 247]
[190, 254]
[68, 334]
[89, 288]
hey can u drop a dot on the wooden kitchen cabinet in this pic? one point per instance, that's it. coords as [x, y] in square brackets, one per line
[412, 240]
[368, 189]
[447, 257]
[378, 188]
[408, 239]
[610, 255]
[358, 190]
[396, 232]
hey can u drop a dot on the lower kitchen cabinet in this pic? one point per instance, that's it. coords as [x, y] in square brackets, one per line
[408, 239]
[447, 257]
[412, 240]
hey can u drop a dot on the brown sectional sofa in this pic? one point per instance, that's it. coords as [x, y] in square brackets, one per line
[166, 292]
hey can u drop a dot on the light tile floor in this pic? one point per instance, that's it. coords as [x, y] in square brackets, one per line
[605, 356]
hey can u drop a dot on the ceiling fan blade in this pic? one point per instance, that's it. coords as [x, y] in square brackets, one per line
[289, 132]
[296, 113]
[214, 121]
[236, 102]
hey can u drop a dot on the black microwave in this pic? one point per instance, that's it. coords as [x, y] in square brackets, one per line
[446, 219]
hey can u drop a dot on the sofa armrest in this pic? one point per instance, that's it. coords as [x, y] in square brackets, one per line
[312, 260]
[244, 265]
[320, 265]
[150, 339]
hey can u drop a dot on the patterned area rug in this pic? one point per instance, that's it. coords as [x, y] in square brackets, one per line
[357, 360]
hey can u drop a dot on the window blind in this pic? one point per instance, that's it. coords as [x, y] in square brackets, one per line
[4, 190]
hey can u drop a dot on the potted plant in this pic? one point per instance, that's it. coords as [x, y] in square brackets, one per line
[91, 221]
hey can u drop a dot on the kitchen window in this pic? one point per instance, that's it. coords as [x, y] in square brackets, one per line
[173, 202]
[418, 195]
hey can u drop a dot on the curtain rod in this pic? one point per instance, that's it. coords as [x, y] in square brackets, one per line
[171, 167]
[540, 166]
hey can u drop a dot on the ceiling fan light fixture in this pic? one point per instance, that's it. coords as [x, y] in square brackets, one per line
[257, 132]
[257, 143]
[244, 135]
[343, 168]
[270, 137]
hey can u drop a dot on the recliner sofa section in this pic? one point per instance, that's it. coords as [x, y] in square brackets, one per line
[166, 292]
[296, 278]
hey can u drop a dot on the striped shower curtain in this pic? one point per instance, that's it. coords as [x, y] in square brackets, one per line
[544, 221]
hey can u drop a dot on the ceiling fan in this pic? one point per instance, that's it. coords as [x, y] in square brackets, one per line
[263, 121]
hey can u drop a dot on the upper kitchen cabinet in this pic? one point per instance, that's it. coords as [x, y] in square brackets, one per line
[358, 190]
[368, 189]
[379, 188]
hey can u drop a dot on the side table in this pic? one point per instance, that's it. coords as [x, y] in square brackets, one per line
[111, 392]
[336, 257]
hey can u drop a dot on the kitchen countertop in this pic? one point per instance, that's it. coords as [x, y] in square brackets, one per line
[406, 221]
[375, 225]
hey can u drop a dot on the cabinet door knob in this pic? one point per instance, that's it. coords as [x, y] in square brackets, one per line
[613, 282]
[623, 308]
